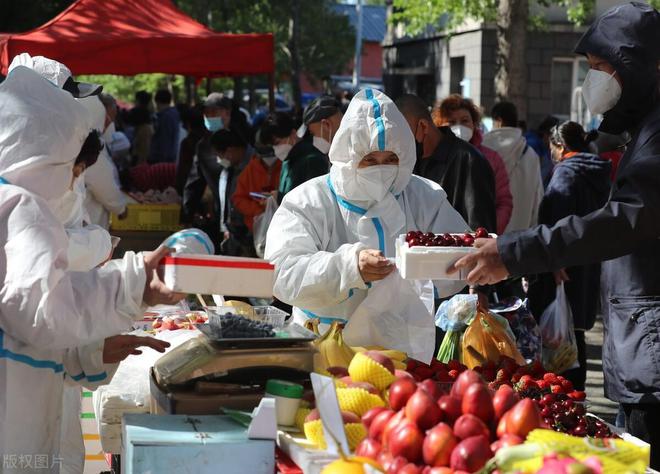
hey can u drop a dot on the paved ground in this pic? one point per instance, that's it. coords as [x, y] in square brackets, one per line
[598, 404]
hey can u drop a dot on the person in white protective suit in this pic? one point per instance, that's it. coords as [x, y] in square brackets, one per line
[50, 316]
[332, 239]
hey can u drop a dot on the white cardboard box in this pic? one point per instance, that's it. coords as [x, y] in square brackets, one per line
[429, 263]
[220, 275]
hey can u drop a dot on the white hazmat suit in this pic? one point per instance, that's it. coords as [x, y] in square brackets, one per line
[320, 228]
[46, 310]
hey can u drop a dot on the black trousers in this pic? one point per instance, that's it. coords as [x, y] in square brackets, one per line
[643, 421]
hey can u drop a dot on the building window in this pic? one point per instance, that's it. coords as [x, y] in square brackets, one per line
[567, 76]
[456, 74]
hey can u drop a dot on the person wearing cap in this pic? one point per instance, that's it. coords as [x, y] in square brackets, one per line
[622, 84]
[301, 161]
[321, 120]
[332, 240]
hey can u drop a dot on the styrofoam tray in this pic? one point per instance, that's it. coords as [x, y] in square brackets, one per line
[429, 263]
[212, 274]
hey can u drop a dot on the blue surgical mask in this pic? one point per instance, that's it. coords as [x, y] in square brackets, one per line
[213, 124]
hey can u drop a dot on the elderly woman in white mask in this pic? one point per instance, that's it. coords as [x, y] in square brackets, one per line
[332, 238]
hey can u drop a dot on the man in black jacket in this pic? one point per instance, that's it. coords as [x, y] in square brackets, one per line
[622, 47]
[454, 164]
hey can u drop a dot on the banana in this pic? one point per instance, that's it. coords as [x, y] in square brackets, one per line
[333, 351]
[399, 365]
[312, 324]
[394, 355]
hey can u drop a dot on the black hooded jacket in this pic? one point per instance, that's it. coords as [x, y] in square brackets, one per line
[579, 185]
[625, 232]
[466, 176]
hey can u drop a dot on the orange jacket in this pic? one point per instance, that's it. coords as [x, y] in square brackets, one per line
[255, 178]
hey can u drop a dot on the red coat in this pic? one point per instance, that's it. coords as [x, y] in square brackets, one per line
[503, 197]
[255, 178]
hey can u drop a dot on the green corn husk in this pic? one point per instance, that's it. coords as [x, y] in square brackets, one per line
[450, 349]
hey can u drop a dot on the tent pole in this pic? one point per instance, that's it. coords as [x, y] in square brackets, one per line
[271, 91]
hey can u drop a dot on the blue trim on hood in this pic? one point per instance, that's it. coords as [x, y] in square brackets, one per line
[380, 125]
[350, 206]
[3, 180]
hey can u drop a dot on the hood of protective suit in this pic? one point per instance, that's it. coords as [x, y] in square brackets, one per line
[628, 37]
[54, 71]
[42, 129]
[96, 111]
[508, 142]
[372, 122]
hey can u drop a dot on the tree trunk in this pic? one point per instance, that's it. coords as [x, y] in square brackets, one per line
[294, 37]
[511, 73]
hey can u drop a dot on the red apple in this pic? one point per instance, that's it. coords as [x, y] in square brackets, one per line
[346, 416]
[400, 391]
[463, 381]
[395, 420]
[369, 416]
[503, 425]
[506, 441]
[410, 468]
[385, 460]
[451, 407]
[368, 448]
[346, 380]
[423, 410]
[399, 374]
[378, 424]
[337, 371]
[381, 359]
[438, 445]
[469, 425]
[478, 401]
[431, 386]
[471, 454]
[523, 418]
[407, 441]
[504, 399]
[396, 465]
[437, 470]
[364, 385]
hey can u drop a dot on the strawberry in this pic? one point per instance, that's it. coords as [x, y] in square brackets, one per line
[577, 395]
[556, 389]
[527, 379]
[503, 375]
[567, 385]
[543, 384]
[454, 374]
[515, 378]
[526, 384]
[454, 365]
[550, 377]
[425, 372]
[494, 385]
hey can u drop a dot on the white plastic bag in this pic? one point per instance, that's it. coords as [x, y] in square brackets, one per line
[396, 314]
[559, 346]
[261, 224]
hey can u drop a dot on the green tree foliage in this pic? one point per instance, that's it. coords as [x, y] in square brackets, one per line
[21, 15]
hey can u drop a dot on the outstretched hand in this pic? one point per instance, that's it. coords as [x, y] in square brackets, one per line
[485, 265]
[118, 348]
[155, 291]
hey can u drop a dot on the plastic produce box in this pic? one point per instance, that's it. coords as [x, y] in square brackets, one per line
[267, 314]
[219, 275]
[200, 444]
[429, 263]
[149, 217]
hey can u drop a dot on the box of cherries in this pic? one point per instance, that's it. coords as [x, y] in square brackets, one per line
[428, 256]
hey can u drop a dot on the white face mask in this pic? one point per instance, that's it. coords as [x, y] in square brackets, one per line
[321, 144]
[282, 150]
[269, 160]
[462, 132]
[377, 181]
[601, 91]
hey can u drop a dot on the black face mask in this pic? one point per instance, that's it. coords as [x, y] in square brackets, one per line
[419, 147]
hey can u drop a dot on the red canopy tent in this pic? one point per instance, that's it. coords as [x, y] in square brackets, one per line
[128, 37]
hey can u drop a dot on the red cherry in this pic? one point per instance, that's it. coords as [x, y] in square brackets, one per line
[481, 233]
[580, 430]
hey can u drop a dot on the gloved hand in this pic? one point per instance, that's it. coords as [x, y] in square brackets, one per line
[155, 291]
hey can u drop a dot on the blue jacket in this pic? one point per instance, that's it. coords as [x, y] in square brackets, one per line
[579, 186]
[165, 141]
[624, 233]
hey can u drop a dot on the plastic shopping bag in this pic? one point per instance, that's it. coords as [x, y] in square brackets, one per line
[487, 339]
[559, 346]
[453, 317]
[261, 224]
[525, 328]
[396, 314]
